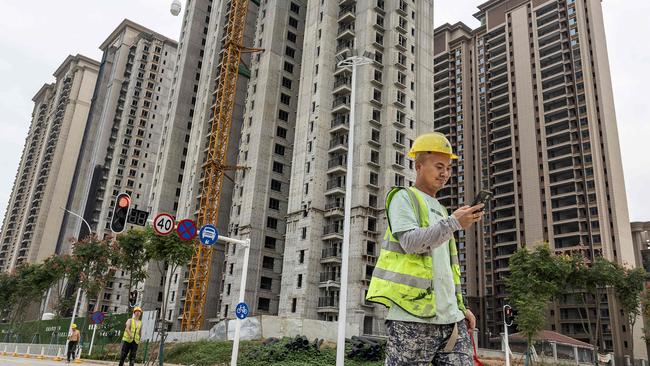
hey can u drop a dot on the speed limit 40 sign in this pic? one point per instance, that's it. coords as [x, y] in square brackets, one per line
[163, 224]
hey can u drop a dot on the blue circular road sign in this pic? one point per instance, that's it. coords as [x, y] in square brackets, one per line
[208, 235]
[241, 311]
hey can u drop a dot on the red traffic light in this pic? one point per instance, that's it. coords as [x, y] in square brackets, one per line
[123, 201]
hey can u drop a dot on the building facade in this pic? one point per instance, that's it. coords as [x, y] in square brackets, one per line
[391, 111]
[42, 186]
[205, 22]
[526, 98]
[122, 139]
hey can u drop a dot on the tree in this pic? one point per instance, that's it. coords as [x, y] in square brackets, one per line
[171, 252]
[94, 263]
[629, 285]
[645, 311]
[132, 254]
[535, 279]
[8, 287]
[60, 267]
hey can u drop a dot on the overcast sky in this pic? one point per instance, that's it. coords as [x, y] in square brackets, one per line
[36, 36]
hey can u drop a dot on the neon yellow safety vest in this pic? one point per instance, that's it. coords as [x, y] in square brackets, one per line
[136, 326]
[407, 279]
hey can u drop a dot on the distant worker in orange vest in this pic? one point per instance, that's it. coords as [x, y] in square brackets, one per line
[73, 340]
[131, 337]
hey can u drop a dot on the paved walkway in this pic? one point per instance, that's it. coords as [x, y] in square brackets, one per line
[32, 361]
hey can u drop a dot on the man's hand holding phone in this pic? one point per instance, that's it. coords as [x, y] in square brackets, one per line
[467, 215]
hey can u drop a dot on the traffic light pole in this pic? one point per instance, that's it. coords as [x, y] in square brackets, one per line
[507, 309]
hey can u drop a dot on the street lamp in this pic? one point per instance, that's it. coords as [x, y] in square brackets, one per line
[351, 61]
[76, 303]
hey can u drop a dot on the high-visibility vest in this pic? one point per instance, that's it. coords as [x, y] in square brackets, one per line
[136, 326]
[407, 279]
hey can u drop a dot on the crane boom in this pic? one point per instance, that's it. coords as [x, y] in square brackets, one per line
[215, 164]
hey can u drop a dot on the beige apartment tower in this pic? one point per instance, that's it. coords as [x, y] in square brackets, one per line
[33, 219]
[121, 142]
[526, 99]
[391, 110]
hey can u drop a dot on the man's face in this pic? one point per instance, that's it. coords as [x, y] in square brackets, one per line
[433, 170]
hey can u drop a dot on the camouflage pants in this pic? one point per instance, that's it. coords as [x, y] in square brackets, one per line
[421, 344]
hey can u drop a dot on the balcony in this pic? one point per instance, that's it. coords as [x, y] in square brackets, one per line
[330, 255]
[341, 104]
[342, 85]
[330, 279]
[345, 31]
[337, 164]
[335, 186]
[333, 231]
[347, 14]
[340, 124]
[328, 305]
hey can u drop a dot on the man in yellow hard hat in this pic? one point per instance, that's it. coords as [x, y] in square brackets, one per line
[73, 340]
[417, 275]
[131, 337]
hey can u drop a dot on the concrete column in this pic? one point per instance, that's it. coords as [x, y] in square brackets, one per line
[575, 353]
[554, 347]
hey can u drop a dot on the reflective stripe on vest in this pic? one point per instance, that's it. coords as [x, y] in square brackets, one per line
[136, 325]
[407, 279]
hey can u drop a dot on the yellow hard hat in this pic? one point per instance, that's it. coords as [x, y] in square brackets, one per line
[137, 308]
[74, 326]
[431, 142]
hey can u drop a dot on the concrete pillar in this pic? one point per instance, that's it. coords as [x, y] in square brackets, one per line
[554, 348]
[575, 353]
[503, 343]
[628, 362]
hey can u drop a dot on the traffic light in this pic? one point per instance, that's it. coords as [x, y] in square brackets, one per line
[120, 212]
[508, 315]
[133, 297]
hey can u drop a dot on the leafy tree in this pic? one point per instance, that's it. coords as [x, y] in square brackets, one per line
[94, 263]
[629, 285]
[60, 267]
[8, 287]
[171, 252]
[645, 311]
[133, 257]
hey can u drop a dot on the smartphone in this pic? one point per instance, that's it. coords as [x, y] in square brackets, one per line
[482, 197]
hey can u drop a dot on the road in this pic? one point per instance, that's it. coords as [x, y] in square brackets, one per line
[21, 361]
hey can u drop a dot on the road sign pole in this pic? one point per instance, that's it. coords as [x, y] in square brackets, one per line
[92, 340]
[242, 288]
[505, 334]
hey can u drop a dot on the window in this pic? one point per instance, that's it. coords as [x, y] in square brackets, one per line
[289, 51]
[374, 156]
[372, 200]
[274, 203]
[271, 222]
[379, 38]
[291, 37]
[288, 67]
[276, 185]
[376, 95]
[269, 242]
[268, 262]
[370, 247]
[303, 234]
[263, 304]
[293, 22]
[293, 305]
[399, 180]
[286, 82]
[278, 167]
[283, 115]
[266, 283]
[301, 257]
[281, 132]
[376, 115]
[299, 282]
[377, 75]
[285, 99]
[279, 149]
[295, 8]
[401, 78]
[374, 179]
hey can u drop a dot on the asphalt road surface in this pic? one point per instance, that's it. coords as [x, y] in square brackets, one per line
[21, 361]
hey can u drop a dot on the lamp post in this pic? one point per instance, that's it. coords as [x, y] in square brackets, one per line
[352, 61]
[76, 302]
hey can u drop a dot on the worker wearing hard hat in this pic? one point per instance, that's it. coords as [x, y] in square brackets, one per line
[131, 337]
[417, 275]
[73, 341]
